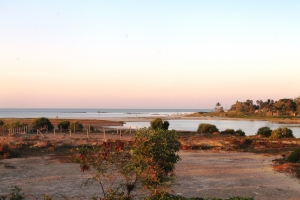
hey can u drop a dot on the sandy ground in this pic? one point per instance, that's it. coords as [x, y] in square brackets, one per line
[200, 173]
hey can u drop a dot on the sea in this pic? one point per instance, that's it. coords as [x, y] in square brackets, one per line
[90, 113]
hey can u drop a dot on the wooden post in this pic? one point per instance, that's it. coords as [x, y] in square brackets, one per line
[87, 133]
[37, 131]
[70, 132]
[54, 132]
[104, 134]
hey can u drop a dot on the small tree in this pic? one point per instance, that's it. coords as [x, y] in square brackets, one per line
[1, 123]
[42, 123]
[155, 155]
[282, 132]
[158, 123]
[63, 124]
[207, 128]
[110, 166]
[121, 168]
[78, 126]
[264, 131]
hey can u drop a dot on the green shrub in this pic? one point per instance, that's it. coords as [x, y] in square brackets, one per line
[282, 132]
[295, 156]
[240, 132]
[207, 128]
[78, 126]
[158, 123]
[63, 124]
[228, 131]
[42, 123]
[264, 131]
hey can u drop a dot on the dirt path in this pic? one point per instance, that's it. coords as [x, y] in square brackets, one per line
[203, 174]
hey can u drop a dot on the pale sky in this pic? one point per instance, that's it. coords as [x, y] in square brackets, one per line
[147, 54]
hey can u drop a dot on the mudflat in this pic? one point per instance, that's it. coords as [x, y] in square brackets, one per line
[200, 173]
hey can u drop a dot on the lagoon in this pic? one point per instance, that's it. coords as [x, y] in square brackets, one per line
[250, 127]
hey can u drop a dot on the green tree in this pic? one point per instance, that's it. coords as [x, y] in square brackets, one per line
[111, 167]
[207, 128]
[63, 124]
[1, 123]
[42, 123]
[121, 168]
[158, 123]
[282, 132]
[285, 106]
[78, 126]
[264, 131]
[155, 155]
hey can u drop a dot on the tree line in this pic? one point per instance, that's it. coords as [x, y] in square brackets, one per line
[287, 107]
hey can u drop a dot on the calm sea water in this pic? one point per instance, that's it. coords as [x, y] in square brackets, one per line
[249, 127]
[85, 113]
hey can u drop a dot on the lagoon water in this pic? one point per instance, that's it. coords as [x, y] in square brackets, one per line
[250, 127]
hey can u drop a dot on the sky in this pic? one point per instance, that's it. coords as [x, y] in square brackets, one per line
[147, 54]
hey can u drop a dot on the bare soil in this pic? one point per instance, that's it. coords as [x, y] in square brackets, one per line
[200, 173]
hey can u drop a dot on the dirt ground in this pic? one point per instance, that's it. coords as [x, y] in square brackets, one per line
[200, 173]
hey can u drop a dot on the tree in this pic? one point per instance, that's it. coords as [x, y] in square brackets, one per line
[264, 131]
[110, 165]
[78, 126]
[155, 155]
[63, 124]
[42, 123]
[158, 123]
[207, 128]
[282, 132]
[285, 106]
[121, 168]
[218, 107]
[1, 123]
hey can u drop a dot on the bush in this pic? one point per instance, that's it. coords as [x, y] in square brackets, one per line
[295, 156]
[240, 132]
[228, 131]
[15, 194]
[78, 126]
[158, 123]
[264, 131]
[282, 132]
[63, 125]
[42, 123]
[207, 128]
[1, 123]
